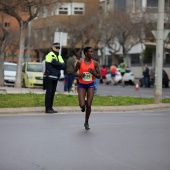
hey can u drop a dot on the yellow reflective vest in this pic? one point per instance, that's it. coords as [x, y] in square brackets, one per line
[53, 66]
[51, 55]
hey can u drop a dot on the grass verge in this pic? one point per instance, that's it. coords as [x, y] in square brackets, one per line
[37, 100]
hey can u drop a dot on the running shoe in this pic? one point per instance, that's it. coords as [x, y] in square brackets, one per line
[86, 125]
[83, 109]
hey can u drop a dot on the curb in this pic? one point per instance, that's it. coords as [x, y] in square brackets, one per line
[28, 110]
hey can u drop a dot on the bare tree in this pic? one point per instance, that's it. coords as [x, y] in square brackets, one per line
[108, 34]
[146, 19]
[3, 38]
[128, 33]
[115, 30]
[75, 30]
[14, 8]
[13, 43]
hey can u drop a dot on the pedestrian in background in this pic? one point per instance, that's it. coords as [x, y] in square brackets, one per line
[86, 70]
[146, 76]
[43, 69]
[53, 64]
[113, 71]
[96, 80]
[122, 67]
[69, 75]
[103, 73]
[75, 82]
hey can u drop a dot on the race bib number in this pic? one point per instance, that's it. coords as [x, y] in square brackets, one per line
[87, 77]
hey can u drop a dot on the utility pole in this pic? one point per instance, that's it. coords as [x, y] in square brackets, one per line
[159, 51]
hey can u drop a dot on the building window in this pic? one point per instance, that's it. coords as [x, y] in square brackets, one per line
[137, 4]
[167, 60]
[148, 60]
[120, 5]
[148, 56]
[152, 5]
[78, 8]
[63, 11]
[69, 9]
[7, 24]
[135, 59]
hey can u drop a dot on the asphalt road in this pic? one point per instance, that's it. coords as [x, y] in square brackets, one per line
[128, 90]
[137, 140]
[104, 90]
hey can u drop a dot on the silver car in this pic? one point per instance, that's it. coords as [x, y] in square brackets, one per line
[9, 73]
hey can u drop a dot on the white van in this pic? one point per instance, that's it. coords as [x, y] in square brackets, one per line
[10, 70]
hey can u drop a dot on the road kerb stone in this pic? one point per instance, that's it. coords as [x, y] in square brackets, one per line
[69, 109]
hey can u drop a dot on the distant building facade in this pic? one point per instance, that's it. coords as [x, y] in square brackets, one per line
[11, 25]
[58, 19]
[137, 9]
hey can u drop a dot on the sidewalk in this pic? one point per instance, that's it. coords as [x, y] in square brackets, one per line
[28, 110]
[12, 90]
[9, 90]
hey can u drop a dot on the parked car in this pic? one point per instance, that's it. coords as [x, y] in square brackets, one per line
[165, 79]
[32, 75]
[128, 77]
[10, 70]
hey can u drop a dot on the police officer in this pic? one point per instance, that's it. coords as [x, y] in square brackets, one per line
[53, 64]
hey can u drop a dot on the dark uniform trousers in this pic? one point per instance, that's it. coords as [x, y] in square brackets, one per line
[51, 86]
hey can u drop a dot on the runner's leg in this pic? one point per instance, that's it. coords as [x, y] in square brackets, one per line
[81, 97]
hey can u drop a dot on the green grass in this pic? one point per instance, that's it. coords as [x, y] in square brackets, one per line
[37, 100]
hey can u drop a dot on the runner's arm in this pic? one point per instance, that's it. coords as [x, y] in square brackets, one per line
[77, 67]
[96, 72]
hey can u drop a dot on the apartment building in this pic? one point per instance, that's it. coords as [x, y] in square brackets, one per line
[51, 19]
[10, 24]
[58, 19]
[137, 9]
[132, 5]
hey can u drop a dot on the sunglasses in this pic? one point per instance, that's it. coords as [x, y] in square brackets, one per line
[91, 51]
[57, 47]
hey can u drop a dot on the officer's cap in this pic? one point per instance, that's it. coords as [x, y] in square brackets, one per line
[56, 45]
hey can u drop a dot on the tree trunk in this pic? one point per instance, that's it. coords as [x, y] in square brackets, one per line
[1, 68]
[2, 62]
[20, 56]
[128, 60]
[101, 56]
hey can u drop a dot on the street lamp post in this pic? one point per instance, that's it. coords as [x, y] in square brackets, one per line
[159, 52]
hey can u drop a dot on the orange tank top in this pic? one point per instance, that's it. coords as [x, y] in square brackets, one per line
[88, 78]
